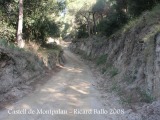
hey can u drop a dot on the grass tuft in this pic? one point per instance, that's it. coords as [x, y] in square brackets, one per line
[101, 60]
[145, 97]
[113, 72]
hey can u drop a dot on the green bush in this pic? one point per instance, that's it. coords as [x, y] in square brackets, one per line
[136, 7]
[113, 72]
[7, 32]
[104, 69]
[82, 32]
[112, 23]
[39, 30]
[3, 42]
[101, 60]
[145, 97]
[10, 45]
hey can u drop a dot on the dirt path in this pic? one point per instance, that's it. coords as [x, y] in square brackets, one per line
[70, 90]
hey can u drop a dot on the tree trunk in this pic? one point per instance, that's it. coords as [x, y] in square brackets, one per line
[94, 21]
[101, 16]
[20, 40]
[89, 29]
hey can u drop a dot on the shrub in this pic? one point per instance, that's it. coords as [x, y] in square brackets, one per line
[112, 23]
[136, 7]
[145, 97]
[7, 32]
[39, 30]
[103, 70]
[10, 45]
[82, 32]
[113, 72]
[101, 60]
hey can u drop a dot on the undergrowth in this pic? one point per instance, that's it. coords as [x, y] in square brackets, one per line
[113, 72]
[101, 60]
[6, 44]
[39, 53]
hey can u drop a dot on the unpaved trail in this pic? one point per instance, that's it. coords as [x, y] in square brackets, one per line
[70, 89]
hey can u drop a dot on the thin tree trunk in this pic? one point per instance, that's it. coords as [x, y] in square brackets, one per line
[20, 40]
[89, 29]
[94, 26]
[101, 16]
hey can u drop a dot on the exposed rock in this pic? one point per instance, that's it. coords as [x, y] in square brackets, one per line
[138, 64]
[132, 66]
[19, 67]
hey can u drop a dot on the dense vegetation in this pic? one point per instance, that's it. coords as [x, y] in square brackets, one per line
[76, 19]
[38, 19]
[105, 17]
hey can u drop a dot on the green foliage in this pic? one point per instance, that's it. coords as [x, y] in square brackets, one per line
[38, 23]
[7, 32]
[8, 19]
[111, 15]
[113, 72]
[5, 43]
[64, 29]
[82, 32]
[102, 59]
[103, 17]
[104, 69]
[146, 97]
[52, 47]
[136, 7]
[117, 18]
[38, 16]
[112, 23]
[110, 70]
[99, 6]
[40, 29]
